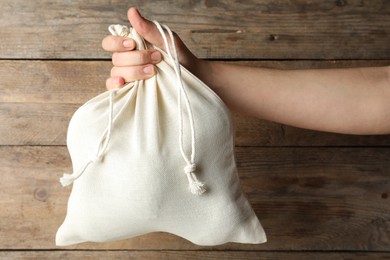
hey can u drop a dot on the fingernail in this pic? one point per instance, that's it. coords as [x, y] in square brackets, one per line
[138, 12]
[127, 43]
[156, 56]
[149, 69]
[119, 82]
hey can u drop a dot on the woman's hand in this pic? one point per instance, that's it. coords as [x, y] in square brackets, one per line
[351, 101]
[131, 64]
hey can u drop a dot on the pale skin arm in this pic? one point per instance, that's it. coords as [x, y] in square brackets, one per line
[352, 101]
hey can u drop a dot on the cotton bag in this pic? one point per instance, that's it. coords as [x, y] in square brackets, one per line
[156, 155]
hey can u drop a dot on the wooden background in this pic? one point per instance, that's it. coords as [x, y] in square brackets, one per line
[318, 195]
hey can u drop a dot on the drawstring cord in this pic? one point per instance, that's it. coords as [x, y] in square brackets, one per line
[196, 187]
[68, 179]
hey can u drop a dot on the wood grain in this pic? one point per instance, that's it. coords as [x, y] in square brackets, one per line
[330, 195]
[47, 124]
[318, 195]
[188, 255]
[35, 108]
[255, 29]
[75, 82]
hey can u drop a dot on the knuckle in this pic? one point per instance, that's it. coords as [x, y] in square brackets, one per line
[106, 43]
[140, 57]
[111, 43]
[115, 59]
[145, 57]
[108, 83]
[128, 73]
[114, 71]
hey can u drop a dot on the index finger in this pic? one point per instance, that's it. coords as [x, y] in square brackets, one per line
[118, 44]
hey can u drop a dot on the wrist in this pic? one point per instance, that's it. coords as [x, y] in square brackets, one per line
[207, 72]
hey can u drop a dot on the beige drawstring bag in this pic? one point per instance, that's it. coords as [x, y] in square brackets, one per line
[156, 155]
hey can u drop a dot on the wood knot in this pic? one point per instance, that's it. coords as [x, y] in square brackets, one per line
[384, 195]
[341, 3]
[40, 194]
[273, 37]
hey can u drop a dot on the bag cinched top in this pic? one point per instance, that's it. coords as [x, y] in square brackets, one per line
[129, 148]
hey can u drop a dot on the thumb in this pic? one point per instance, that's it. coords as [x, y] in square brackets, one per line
[150, 33]
[145, 28]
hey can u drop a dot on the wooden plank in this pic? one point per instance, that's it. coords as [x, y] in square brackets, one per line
[74, 82]
[306, 198]
[212, 29]
[35, 108]
[66, 82]
[255, 132]
[34, 123]
[188, 255]
[47, 124]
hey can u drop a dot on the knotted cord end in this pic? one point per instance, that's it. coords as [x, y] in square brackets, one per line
[96, 159]
[67, 179]
[196, 187]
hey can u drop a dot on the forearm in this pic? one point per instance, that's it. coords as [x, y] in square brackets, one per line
[354, 101]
